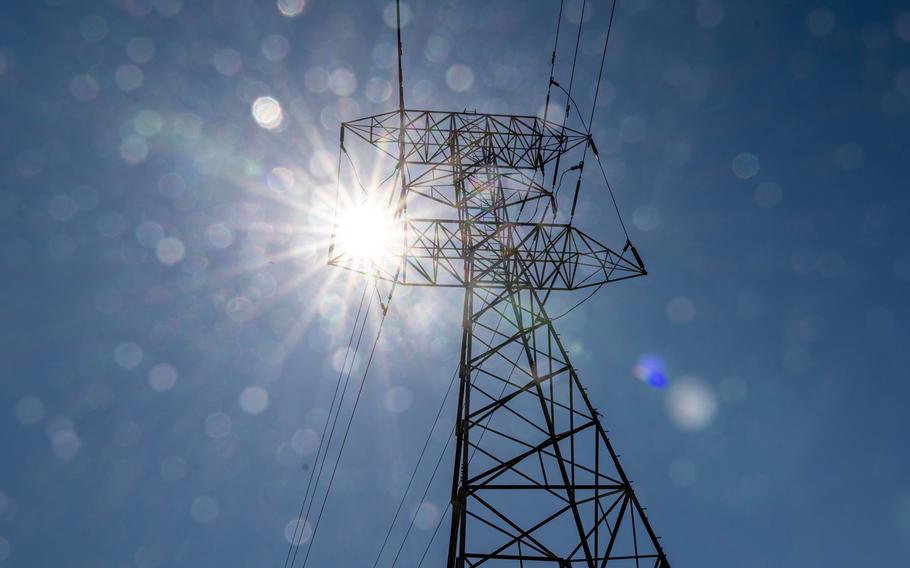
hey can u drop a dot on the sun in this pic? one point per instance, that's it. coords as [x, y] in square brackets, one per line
[367, 232]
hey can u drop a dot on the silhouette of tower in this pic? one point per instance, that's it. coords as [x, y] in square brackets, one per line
[477, 203]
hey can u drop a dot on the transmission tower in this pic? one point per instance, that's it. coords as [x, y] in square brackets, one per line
[478, 203]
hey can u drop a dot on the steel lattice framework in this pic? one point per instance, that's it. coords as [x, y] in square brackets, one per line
[536, 481]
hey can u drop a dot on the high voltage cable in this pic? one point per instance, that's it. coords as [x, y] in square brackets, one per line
[347, 432]
[473, 451]
[324, 429]
[416, 467]
[603, 58]
[590, 125]
[546, 107]
[302, 519]
[420, 459]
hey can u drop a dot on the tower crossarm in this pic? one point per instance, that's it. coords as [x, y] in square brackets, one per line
[514, 141]
[544, 256]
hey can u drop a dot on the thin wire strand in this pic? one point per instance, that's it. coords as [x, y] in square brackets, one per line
[416, 468]
[612, 197]
[345, 438]
[546, 107]
[474, 451]
[330, 438]
[603, 59]
[581, 23]
[325, 428]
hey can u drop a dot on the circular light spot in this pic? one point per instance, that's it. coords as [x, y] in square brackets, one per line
[227, 61]
[378, 90]
[254, 400]
[93, 28]
[65, 444]
[459, 77]
[140, 49]
[316, 79]
[267, 112]
[426, 516]
[29, 410]
[204, 509]
[681, 309]
[128, 355]
[240, 309]
[691, 403]
[162, 377]
[148, 233]
[650, 369]
[342, 82]
[331, 308]
[745, 165]
[438, 48]
[298, 532]
[398, 400]
[820, 22]
[134, 150]
[305, 442]
[275, 47]
[148, 123]
[345, 358]
[219, 235]
[768, 194]
[84, 87]
[646, 218]
[281, 179]
[128, 77]
[170, 250]
[390, 15]
[218, 425]
[291, 8]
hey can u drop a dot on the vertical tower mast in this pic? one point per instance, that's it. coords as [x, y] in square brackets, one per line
[536, 481]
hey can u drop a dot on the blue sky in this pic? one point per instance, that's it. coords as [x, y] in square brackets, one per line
[170, 332]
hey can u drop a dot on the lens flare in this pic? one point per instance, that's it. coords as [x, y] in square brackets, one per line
[367, 232]
[650, 369]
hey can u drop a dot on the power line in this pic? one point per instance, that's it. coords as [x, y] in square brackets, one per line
[416, 467]
[546, 106]
[300, 525]
[473, 451]
[344, 440]
[302, 520]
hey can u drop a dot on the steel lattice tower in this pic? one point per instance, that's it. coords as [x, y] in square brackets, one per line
[536, 481]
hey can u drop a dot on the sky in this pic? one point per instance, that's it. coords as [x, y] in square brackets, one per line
[171, 335]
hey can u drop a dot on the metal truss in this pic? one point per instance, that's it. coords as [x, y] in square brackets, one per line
[536, 481]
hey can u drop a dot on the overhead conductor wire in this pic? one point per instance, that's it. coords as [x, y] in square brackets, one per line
[300, 524]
